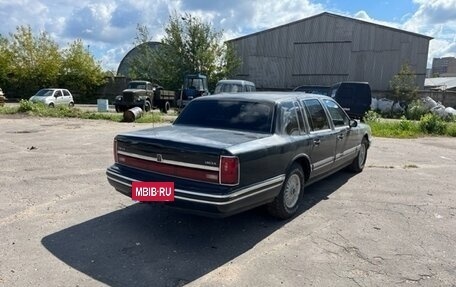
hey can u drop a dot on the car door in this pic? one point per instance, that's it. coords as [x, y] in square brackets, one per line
[341, 122]
[324, 138]
[66, 97]
[58, 97]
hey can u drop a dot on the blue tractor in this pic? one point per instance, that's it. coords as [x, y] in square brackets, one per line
[195, 85]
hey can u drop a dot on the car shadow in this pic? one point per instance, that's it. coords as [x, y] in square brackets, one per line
[152, 245]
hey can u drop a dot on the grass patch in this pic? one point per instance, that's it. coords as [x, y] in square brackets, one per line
[428, 124]
[8, 110]
[395, 129]
[40, 110]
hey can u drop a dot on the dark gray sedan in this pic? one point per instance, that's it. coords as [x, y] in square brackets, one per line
[226, 154]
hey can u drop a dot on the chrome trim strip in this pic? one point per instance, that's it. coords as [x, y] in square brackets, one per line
[276, 181]
[228, 202]
[171, 162]
[279, 179]
[323, 163]
[119, 181]
[347, 152]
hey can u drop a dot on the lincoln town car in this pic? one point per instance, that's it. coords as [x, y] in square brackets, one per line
[228, 153]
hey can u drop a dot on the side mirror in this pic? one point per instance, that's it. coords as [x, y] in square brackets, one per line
[353, 123]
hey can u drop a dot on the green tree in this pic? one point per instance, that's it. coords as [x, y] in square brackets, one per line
[35, 61]
[80, 72]
[191, 45]
[404, 86]
[5, 62]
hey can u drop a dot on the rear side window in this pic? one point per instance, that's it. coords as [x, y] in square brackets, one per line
[316, 115]
[290, 118]
[66, 93]
[228, 114]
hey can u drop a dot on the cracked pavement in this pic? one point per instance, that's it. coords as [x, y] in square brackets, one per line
[61, 223]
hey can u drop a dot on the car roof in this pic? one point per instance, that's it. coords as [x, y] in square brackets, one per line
[235, 82]
[53, 89]
[273, 97]
[139, 81]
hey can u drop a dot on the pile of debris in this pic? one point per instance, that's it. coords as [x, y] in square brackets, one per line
[437, 108]
[384, 105]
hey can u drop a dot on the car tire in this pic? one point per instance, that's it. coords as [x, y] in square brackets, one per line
[360, 160]
[286, 204]
[166, 107]
[71, 104]
[147, 107]
[51, 105]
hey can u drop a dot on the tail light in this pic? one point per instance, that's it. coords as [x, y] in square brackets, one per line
[116, 159]
[229, 170]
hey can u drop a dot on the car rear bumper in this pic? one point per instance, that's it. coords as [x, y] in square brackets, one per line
[204, 203]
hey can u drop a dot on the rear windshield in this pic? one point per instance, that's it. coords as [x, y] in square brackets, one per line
[228, 114]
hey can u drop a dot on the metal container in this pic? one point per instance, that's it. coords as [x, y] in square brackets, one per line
[132, 114]
[102, 105]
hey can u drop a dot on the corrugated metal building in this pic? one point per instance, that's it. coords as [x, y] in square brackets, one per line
[328, 48]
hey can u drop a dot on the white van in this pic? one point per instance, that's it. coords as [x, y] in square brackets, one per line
[234, 86]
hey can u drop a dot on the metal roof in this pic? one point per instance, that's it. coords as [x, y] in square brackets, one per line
[443, 83]
[333, 15]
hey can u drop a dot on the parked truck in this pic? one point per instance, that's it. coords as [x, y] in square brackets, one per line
[194, 86]
[145, 95]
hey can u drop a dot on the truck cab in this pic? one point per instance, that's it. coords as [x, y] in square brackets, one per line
[195, 85]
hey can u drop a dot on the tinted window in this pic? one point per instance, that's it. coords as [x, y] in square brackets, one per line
[230, 114]
[316, 115]
[338, 116]
[66, 93]
[58, 93]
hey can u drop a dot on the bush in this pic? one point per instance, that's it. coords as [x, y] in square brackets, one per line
[25, 106]
[433, 124]
[405, 124]
[416, 110]
[372, 116]
[451, 130]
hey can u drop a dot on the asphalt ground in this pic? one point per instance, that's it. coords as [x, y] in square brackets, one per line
[62, 224]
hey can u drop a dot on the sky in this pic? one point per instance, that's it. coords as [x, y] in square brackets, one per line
[108, 27]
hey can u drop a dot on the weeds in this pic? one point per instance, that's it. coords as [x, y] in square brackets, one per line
[40, 110]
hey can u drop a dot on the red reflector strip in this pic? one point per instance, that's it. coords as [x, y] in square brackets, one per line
[178, 171]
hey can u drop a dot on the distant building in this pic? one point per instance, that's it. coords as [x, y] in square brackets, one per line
[329, 48]
[444, 67]
[441, 84]
[125, 64]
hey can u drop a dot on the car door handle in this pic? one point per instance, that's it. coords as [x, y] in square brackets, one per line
[317, 141]
[340, 136]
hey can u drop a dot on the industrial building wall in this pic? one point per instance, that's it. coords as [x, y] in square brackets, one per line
[328, 48]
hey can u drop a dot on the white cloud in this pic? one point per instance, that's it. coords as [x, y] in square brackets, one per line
[362, 15]
[109, 26]
[435, 18]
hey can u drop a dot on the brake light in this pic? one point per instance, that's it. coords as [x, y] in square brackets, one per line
[229, 170]
[116, 159]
